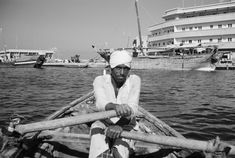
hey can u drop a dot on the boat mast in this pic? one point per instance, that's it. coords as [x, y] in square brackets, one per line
[4, 46]
[139, 30]
[1, 37]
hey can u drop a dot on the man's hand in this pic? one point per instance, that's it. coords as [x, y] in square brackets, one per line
[123, 110]
[113, 132]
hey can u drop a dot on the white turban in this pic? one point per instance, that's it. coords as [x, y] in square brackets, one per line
[119, 58]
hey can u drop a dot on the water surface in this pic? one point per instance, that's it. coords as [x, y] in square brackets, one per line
[198, 104]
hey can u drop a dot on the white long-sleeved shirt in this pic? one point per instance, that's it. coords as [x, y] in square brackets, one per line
[128, 94]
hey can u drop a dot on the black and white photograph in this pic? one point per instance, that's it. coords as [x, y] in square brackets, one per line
[117, 78]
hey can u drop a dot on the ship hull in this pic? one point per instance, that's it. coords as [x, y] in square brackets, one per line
[23, 64]
[29, 64]
[193, 62]
[68, 65]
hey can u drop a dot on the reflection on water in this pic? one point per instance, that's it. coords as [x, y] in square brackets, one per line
[198, 104]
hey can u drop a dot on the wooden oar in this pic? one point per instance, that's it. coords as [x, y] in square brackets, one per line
[63, 122]
[184, 143]
[207, 146]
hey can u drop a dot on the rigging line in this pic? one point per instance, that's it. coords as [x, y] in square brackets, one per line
[147, 12]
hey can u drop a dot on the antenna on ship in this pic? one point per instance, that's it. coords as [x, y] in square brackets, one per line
[139, 30]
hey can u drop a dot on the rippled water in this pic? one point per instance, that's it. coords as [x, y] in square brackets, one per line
[198, 104]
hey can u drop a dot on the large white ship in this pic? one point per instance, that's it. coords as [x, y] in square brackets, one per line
[208, 24]
[212, 24]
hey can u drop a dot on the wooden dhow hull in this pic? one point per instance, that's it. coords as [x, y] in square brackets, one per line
[193, 62]
[169, 60]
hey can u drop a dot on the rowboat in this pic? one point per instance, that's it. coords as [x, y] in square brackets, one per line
[227, 61]
[65, 133]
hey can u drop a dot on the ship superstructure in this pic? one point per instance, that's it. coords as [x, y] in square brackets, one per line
[212, 24]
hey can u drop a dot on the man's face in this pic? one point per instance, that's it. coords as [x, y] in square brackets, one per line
[120, 73]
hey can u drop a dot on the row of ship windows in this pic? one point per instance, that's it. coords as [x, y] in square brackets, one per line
[164, 32]
[26, 53]
[211, 27]
[193, 28]
[210, 40]
[191, 41]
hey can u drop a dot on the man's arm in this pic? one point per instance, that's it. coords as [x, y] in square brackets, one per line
[99, 92]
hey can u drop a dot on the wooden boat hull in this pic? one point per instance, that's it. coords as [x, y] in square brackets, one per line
[26, 64]
[169, 61]
[73, 141]
[172, 63]
[97, 65]
[68, 65]
[226, 61]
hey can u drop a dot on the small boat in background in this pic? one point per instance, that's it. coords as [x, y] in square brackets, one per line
[76, 65]
[226, 61]
[65, 64]
[24, 57]
[74, 62]
[97, 63]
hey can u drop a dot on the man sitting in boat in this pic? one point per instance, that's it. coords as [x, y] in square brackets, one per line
[117, 91]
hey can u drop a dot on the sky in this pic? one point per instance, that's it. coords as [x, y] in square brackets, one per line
[73, 26]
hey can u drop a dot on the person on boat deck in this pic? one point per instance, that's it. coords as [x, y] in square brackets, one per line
[117, 91]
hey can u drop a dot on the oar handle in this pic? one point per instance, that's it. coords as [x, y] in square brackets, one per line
[63, 122]
[175, 141]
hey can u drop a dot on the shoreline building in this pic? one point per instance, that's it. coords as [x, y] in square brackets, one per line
[212, 24]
